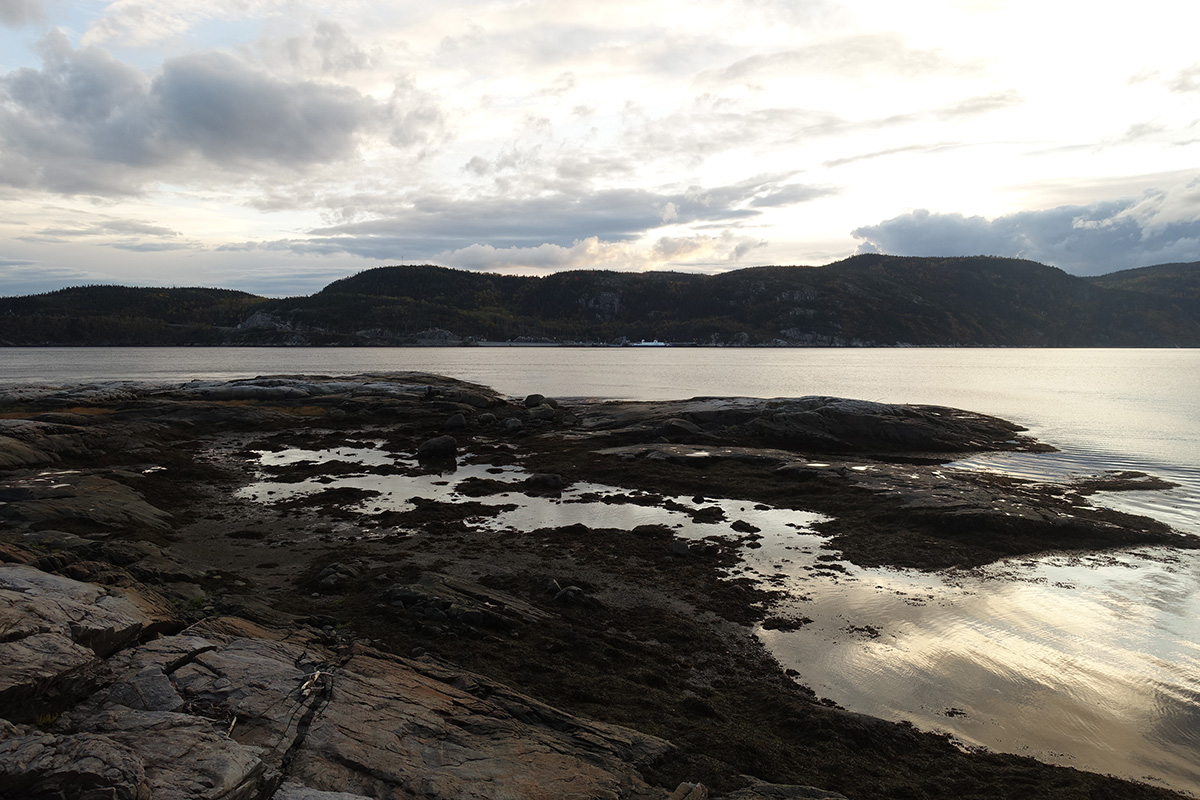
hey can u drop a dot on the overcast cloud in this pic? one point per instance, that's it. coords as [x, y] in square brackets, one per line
[275, 145]
[15, 13]
[558, 228]
[1158, 228]
[87, 123]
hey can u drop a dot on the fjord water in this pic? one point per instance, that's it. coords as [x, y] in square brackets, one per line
[1091, 661]
[1105, 409]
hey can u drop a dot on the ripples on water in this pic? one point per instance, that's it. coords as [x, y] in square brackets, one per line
[1089, 660]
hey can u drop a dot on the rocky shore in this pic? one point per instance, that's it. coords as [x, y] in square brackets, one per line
[208, 590]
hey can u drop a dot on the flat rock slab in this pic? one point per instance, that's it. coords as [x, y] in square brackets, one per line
[134, 755]
[186, 757]
[365, 723]
[32, 443]
[434, 732]
[33, 666]
[71, 496]
[298, 791]
[55, 633]
[86, 765]
[87, 614]
[816, 424]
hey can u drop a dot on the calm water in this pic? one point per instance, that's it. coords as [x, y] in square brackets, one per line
[1106, 409]
[1091, 661]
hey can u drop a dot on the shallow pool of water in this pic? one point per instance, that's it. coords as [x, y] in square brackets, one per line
[581, 503]
[1091, 661]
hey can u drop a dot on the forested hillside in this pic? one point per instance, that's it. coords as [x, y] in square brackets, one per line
[122, 315]
[867, 300]
[1179, 281]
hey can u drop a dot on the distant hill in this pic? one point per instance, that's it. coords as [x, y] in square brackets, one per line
[1179, 281]
[123, 315]
[866, 300]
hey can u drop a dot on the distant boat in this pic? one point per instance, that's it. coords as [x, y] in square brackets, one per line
[644, 343]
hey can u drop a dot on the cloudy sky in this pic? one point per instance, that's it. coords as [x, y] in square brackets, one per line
[275, 145]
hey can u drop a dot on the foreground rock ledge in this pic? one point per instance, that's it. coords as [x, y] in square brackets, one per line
[161, 638]
[228, 709]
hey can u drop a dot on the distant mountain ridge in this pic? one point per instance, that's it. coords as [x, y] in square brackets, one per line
[1180, 281]
[865, 300]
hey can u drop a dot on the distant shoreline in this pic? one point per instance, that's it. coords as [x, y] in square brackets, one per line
[864, 301]
[592, 346]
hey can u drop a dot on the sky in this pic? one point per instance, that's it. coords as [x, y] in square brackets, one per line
[276, 145]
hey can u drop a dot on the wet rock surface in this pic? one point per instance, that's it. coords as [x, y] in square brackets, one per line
[912, 513]
[162, 635]
[816, 424]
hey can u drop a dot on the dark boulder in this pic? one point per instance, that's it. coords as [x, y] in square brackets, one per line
[543, 483]
[334, 577]
[437, 448]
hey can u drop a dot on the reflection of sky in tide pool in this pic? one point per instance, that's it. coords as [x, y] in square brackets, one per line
[1091, 661]
[580, 503]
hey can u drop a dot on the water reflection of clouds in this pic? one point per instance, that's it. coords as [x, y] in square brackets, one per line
[1090, 660]
[367, 457]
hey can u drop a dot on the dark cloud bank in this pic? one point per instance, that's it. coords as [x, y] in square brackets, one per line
[88, 123]
[1084, 240]
[433, 224]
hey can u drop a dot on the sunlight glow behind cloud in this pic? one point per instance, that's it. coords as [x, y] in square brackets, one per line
[162, 140]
